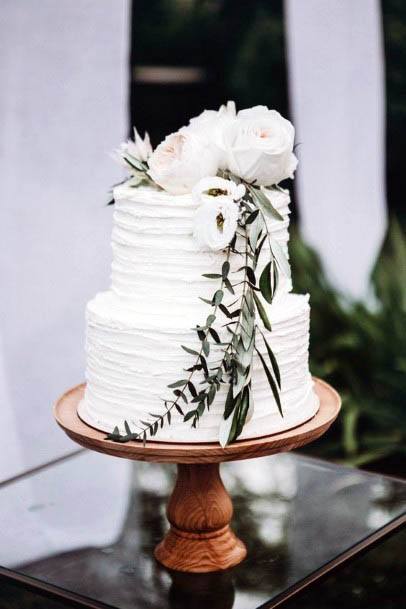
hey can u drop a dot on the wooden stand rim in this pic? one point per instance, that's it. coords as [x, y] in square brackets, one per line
[65, 412]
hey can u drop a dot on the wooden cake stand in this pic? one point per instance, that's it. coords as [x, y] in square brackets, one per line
[200, 539]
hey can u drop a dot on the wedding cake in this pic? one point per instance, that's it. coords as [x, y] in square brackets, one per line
[199, 338]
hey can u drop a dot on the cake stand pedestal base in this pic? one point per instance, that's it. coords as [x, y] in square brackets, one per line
[199, 511]
[200, 539]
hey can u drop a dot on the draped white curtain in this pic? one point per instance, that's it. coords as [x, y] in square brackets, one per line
[336, 77]
[63, 109]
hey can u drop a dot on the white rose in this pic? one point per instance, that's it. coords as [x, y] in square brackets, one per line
[216, 217]
[258, 146]
[211, 123]
[139, 149]
[211, 119]
[181, 160]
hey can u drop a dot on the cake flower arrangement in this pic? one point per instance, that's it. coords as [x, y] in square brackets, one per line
[230, 162]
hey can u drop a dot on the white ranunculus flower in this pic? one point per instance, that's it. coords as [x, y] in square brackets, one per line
[258, 146]
[181, 160]
[207, 188]
[216, 217]
[139, 149]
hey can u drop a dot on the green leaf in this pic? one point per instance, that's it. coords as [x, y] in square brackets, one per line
[127, 428]
[242, 412]
[280, 258]
[225, 269]
[211, 395]
[177, 384]
[180, 394]
[211, 275]
[206, 300]
[251, 218]
[189, 415]
[210, 320]
[134, 163]
[229, 286]
[265, 283]
[214, 334]
[262, 312]
[230, 403]
[206, 347]
[225, 311]
[264, 203]
[218, 297]
[191, 351]
[225, 430]
[251, 275]
[271, 382]
[255, 231]
[273, 361]
[200, 409]
[178, 408]
[192, 389]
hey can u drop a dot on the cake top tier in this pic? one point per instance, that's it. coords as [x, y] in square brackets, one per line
[158, 264]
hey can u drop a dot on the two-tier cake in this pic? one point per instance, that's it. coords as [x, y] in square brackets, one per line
[199, 338]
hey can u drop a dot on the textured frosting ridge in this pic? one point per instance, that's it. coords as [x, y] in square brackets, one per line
[136, 329]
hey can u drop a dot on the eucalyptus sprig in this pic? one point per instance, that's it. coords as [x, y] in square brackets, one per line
[234, 366]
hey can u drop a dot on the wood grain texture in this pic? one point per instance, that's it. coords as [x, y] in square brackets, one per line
[200, 509]
[65, 412]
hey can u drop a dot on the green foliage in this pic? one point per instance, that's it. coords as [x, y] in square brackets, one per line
[360, 349]
[234, 362]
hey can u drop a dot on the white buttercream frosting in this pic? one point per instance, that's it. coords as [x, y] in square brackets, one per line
[136, 329]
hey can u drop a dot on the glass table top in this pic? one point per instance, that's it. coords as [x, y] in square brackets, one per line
[88, 525]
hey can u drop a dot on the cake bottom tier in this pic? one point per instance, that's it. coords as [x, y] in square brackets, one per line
[130, 363]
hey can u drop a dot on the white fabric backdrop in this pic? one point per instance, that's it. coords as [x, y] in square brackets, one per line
[63, 109]
[336, 75]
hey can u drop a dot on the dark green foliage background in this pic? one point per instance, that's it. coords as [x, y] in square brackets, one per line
[241, 47]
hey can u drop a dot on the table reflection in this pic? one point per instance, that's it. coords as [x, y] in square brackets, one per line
[90, 524]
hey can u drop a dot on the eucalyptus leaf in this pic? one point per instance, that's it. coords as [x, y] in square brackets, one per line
[218, 297]
[228, 285]
[211, 395]
[242, 412]
[177, 384]
[206, 347]
[225, 269]
[271, 382]
[230, 403]
[264, 203]
[265, 283]
[255, 231]
[262, 312]
[225, 430]
[178, 408]
[214, 335]
[251, 218]
[234, 423]
[189, 415]
[273, 361]
[191, 351]
[224, 310]
[280, 258]
[192, 389]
